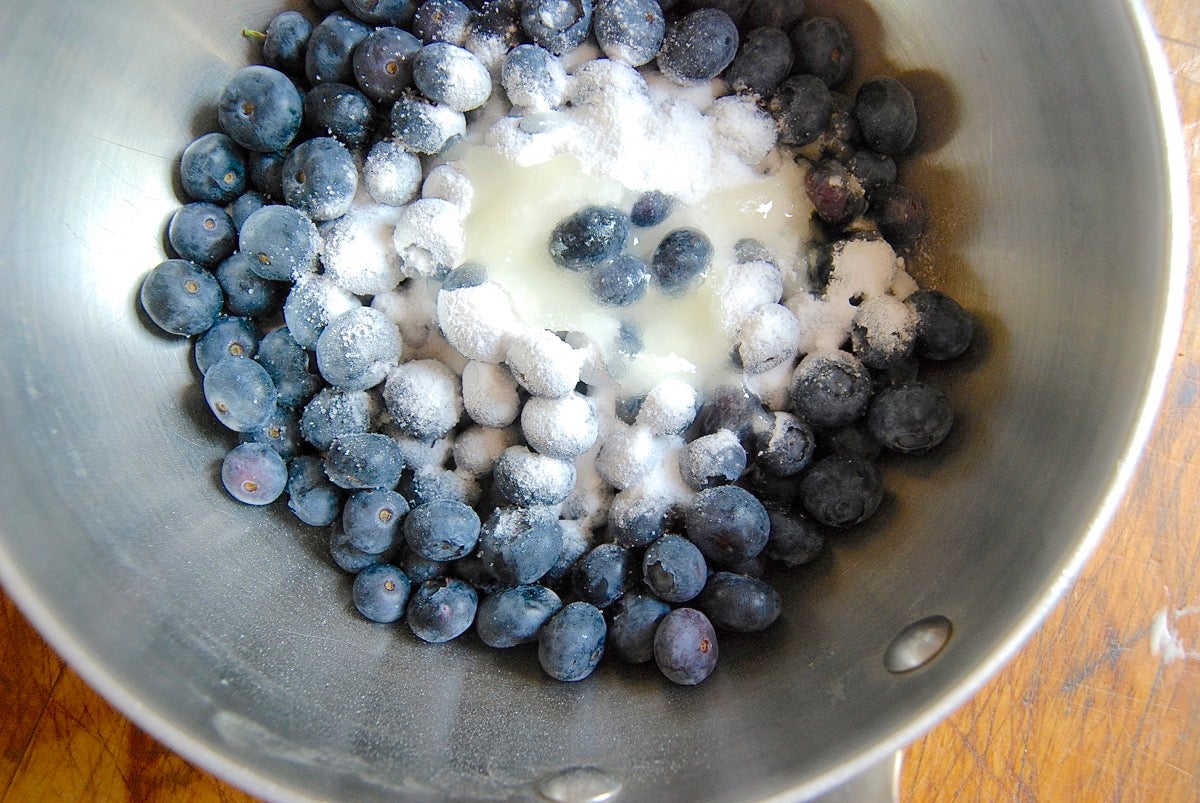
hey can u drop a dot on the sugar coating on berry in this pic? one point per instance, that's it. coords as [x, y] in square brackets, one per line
[526, 478]
[743, 128]
[477, 448]
[312, 303]
[419, 452]
[357, 348]
[627, 456]
[747, 286]
[392, 175]
[413, 308]
[564, 428]
[768, 338]
[478, 321]
[543, 364]
[449, 184]
[669, 407]
[714, 459]
[357, 251]
[860, 270]
[589, 501]
[423, 398]
[429, 237]
[884, 327]
[490, 394]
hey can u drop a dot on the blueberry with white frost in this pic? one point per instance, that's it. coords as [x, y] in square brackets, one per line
[490, 394]
[246, 293]
[334, 412]
[525, 478]
[443, 21]
[479, 321]
[358, 348]
[533, 78]
[320, 178]
[698, 46]
[712, 460]
[519, 545]
[564, 428]
[352, 254]
[557, 25]
[543, 364]
[429, 238]
[452, 75]
[630, 30]
[283, 242]
[364, 460]
[426, 127]
[312, 303]
[423, 398]
[769, 338]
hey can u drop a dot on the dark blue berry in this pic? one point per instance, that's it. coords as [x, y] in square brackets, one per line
[635, 617]
[525, 478]
[471, 274]
[286, 42]
[727, 523]
[841, 491]
[246, 293]
[515, 615]
[320, 178]
[266, 172]
[383, 63]
[772, 14]
[339, 111]
[181, 298]
[283, 242]
[872, 170]
[823, 48]
[572, 642]
[944, 328]
[680, 260]
[533, 78]
[762, 62]
[836, 198]
[227, 337]
[802, 108]
[452, 76]
[651, 208]
[910, 418]
[442, 609]
[245, 205]
[423, 126]
[213, 168]
[498, 21]
[311, 496]
[371, 519]
[830, 389]
[519, 545]
[853, 440]
[442, 21]
[589, 237]
[382, 12]
[711, 460]
[331, 49]
[281, 431]
[739, 603]
[203, 233]
[674, 569]
[287, 363]
[620, 282]
[442, 530]
[364, 460]
[899, 213]
[635, 523]
[348, 557]
[736, 409]
[260, 108]
[795, 538]
[685, 646]
[887, 115]
[380, 592]
[254, 473]
[630, 30]
[698, 46]
[788, 447]
[420, 569]
[603, 574]
[240, 393]
[356, 349]
[557, 25]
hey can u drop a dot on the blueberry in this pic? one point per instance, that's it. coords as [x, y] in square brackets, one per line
[471, 274]
[772, 13]
[371, 519]
[525, 478]
[246, 293]
[788, 447]
[213, 168]
[442, 530]
[736, 409]
[739, 603]
[823, 48]
[883, 332]
[281, 431]
[900, 214]
[630, 30]
[311, 496]
[589, 237]
[685, 646]
[240, 393]
[286, 42]
[557, 25]
[631, 629]
[603, 574]
[382, 63]
[572, 642]
[423, 126]
[364, 460]
[339, 111]
[181, 298]
[283, 242]
[533, 78]
[762, 62]
[260, 108]
[727, 523]
[680, 260]
[841, 136]
[802, 108]
[635, 520]
[424, 399]
[515, 615]
[698, 46]
[674, 569]
[886, 115]
[420, 569]
[254, 473]
[497, 25]
[346, 555]
[853, 440]
[266, 171]
[830, 389]
[245, 205]
[841, 490]
[227, 337]
[910, 418]
[836, 198]
[442, 609]
[203, 233]
[380, 592]
[519, 545]
[651, 208]
[620, 282]
[576, 541]
[795, 538]
[452, 76]
[442, 21]
[320, 178]
[331, 49]
[287, 364]
[944, 329]
[872, 170]
[357, 348]
[382, 12]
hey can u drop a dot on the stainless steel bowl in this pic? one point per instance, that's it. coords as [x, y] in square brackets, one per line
[1054, 168]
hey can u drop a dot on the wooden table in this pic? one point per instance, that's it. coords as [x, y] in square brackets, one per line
[1103, 704]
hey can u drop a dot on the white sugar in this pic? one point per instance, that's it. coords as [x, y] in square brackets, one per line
[563, 428]
[477, 321]
[429, 237]
[490, 394]
[391, 174]
[356, 252]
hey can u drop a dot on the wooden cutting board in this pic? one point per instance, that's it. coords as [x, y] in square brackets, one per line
[1103, 704]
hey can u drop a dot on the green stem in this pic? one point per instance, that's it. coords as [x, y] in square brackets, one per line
[249, 34]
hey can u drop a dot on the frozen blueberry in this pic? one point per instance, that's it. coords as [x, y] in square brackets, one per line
[763, 61]
[589, 237]
[266, 173]
[240, 393]
[681, 259]
[883, 332]
[286, 42]
[620, 282]
[823, 48]
[887, 115]
[371, 519]
[357, 348]
[254, 473]
[260, 108]
[872, 170]
[519, 545]
[603, 574]
[442, 530]
[442, 609]
[836, 197]
[380, 592]
[181, 298]
[330, 50]
[245, 205]
[830, 389]
[712, 460]
[442, 21]
[426, 127]
[452, 76]
[525, 478]
[281, 431]
[496, 27]
[424, 398]
[346, 556]
[320, 178]
[795, 538]
[802, 108]
[727, 523]
[572, 642]
[739, 603]
[533, 78]
[339, 111]
[515, 615]
[203, 233]
[282, 240]
[787, 448]
[433, 484]
[772, 13]
[364, 460]
[382, 63]
[631, 630]
[557, 25]
[698, 46]
[736, 409]
[630, 30]
[651, 208]
[841, 490]
[246, 293]
[287, 363]
[392, 174]
[636, 520]
[227, 337]
[685, 646]
[311, 496]
[674, 569]
[213, 168]
[944, 329]
[900, 214]
[382, 12]
[420, 569]
[910, 418]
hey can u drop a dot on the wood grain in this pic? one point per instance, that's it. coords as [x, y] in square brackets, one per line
[1087, 711]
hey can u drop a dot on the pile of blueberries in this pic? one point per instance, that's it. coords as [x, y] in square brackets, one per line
[402, 75]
